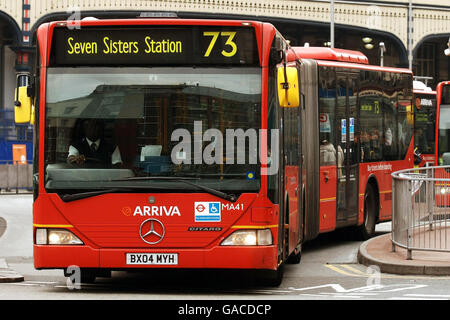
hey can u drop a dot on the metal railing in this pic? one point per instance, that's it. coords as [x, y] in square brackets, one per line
[421, 209]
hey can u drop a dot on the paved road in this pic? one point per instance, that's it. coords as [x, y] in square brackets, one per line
[16, 211]
[328, 271]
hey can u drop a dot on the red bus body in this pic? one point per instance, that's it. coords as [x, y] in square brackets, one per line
[377, 173]
[106, 224]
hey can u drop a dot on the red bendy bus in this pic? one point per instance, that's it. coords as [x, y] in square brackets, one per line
[425, 125]
[357, 130]
[206, 153]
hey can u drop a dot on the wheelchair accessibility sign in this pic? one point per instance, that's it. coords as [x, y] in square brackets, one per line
[207, 211]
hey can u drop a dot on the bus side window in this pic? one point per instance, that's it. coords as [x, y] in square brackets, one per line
[389, 116]
[371, 126]
[327, 98]
[404, 114]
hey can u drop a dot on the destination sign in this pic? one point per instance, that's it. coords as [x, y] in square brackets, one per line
[185, 45]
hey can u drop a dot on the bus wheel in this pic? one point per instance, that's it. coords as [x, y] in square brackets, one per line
[80, 275]
[295, 257]
[367, 229]
[275, 277]
[88, 276]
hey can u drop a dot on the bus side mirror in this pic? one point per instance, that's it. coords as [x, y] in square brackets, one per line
[288, 90]
[23, 101]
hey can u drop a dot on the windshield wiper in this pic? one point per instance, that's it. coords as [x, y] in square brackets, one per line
[197, 175]
[84, 195]
[186, 180]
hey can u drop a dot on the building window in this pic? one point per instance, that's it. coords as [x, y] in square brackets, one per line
[426, 60]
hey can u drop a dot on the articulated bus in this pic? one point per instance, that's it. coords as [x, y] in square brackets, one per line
[208, 144]
[424, 125]
[357, 129]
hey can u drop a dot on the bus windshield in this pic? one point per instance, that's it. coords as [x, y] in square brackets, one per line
[107, 124]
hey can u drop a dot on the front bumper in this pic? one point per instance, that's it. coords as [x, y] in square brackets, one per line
[220, 257]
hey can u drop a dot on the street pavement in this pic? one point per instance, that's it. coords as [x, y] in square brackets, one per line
[378, 251]
[16, 232]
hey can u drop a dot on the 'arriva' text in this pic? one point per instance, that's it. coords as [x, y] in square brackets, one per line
[156, 211]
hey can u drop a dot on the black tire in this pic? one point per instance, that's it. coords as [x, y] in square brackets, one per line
[275, 277]
[294, 258]
[367, 229]
[88, 276]
[82, 275]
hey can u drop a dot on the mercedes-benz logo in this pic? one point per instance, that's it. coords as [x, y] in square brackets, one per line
[152, 231]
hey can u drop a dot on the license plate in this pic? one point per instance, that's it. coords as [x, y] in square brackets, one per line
[152, 258]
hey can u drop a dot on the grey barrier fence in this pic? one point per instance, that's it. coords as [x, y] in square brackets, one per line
[421, 209]
[16, 176]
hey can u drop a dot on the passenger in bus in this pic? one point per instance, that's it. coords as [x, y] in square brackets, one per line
[327, 153]
[388, 137]
[375, 150]
[340, 177]
[421, 142]
[340, 161]
[92, 148]
[365, 146]
[403, 133]
[387, 145]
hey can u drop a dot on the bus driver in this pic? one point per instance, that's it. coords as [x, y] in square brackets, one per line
[92, 148]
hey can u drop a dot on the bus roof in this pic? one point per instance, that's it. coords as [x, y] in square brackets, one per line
[330, 54]
[424, 92]
[362, 66]
[339, 58]
[91, 21]
[420, 87]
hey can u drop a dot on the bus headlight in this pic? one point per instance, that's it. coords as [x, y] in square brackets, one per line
[56, 236]
[445, 190]
[260, 237]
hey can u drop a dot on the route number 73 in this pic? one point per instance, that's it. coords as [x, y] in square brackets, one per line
[229, 42]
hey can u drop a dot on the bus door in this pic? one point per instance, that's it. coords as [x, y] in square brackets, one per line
[347, 150]
[290, 172]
